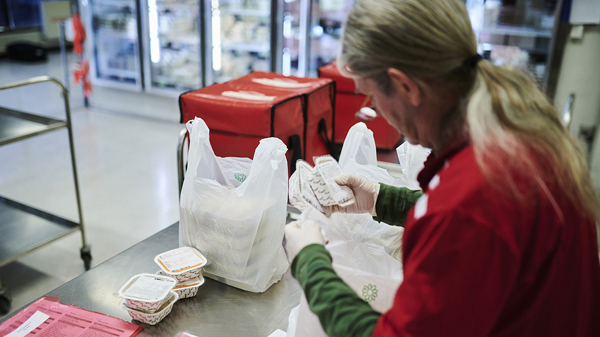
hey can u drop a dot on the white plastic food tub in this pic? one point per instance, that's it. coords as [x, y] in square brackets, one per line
[184, 263]
[153, 318]
[188, 288]
[147, 292]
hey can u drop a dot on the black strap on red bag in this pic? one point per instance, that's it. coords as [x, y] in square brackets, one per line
[295, 145]
[333, 148]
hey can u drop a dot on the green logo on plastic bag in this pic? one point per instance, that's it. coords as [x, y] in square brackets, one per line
[239, 177]
[369, 292]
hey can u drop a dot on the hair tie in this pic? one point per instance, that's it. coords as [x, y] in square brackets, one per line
[472, 61]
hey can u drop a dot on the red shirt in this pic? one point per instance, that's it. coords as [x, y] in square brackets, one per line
[475, 265]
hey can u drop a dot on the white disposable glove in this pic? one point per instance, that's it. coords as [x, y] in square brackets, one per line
[299, 234]
[365, 194]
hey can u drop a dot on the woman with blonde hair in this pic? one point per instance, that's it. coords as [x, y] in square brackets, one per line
[502, 241]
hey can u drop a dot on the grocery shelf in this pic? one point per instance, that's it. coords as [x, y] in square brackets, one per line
[517, 31]
[259, 48]
[119, 73]
[187, 39]
[111, 33]
[247, 12]
[116, 3]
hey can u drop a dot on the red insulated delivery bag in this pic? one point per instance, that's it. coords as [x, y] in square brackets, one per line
[348, 102]
[241, 112]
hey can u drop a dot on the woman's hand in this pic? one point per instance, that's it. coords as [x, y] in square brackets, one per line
[299, 234]
[365, 194]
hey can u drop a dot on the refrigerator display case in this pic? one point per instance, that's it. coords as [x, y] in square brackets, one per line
[311, 34]
[114, 43]
[188, 44]
[517, 32]
[520, 32]
[172, 50]
[294, 37]
[238, 35]
[325, 31]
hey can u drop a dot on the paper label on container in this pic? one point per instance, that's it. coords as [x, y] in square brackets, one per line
[305, 189]
[180, 260]
[148, 288]
[33, 322]
[329, 170]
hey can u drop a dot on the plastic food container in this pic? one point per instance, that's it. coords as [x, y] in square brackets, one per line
[183, 263]
[188, 288]
[153, 318]
[147, 292]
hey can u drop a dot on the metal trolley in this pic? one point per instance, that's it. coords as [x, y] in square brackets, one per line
[24, 228]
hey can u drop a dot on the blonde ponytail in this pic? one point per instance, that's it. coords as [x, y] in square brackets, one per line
[514, 128]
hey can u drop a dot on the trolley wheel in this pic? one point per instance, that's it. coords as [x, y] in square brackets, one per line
[86, 256]
[4, 302]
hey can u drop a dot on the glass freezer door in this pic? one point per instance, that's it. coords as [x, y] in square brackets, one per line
[239, 38]
[115, 44]
[518, 32]
[172, 46]
[311, 32]
[295, 37]
[325, 31]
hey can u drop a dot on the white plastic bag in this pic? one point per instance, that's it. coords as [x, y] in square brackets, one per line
[362, 250]
[412, 160]
[233, 210]
[292, 320]
[359, 156]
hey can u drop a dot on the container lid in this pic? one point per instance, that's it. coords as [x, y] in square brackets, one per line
[180, 260]
[147, 287]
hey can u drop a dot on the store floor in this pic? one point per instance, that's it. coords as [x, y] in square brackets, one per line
[125, 146]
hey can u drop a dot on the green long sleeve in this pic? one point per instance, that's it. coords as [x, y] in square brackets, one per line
[393, 204]
[341, 312]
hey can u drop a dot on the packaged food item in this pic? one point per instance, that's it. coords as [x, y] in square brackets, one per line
[328, 168]
[155, 317]
[300, 190]
[316, 186]
[187, 288]
[184, 263]
[147, 292]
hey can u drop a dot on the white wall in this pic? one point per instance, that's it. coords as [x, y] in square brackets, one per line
[580, 74]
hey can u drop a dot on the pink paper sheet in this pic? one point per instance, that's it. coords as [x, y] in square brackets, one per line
[68, 320]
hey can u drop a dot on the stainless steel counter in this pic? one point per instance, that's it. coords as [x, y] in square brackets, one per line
[217, 310]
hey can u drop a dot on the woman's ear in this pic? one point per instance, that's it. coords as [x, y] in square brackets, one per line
[405, 87]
